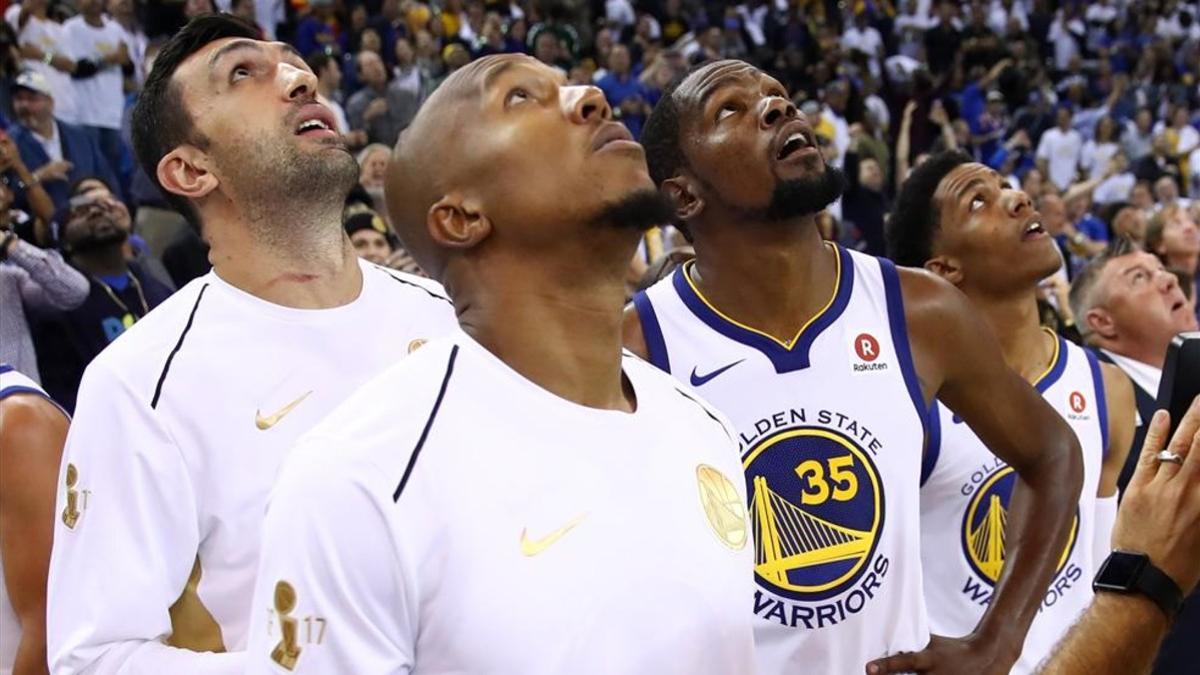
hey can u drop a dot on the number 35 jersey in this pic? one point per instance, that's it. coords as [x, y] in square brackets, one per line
[831, 425]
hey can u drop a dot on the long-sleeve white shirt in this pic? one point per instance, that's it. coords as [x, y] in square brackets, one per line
[33, 278]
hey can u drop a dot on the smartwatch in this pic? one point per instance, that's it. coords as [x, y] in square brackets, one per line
[1127, 572]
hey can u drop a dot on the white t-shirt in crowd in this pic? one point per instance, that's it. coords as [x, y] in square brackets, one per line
[49, 37]
[452, 516]
[180, 429]
[1114, 189]
[104, 91]
[1061, 150]
[1095, 157]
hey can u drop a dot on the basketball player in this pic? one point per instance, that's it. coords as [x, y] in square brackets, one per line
[182, 422]
[961, 221]
[550, 505]
[33, 428]
[826, 361]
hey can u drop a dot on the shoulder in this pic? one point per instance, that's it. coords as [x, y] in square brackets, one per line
[411, 284]
[928, 297]
[1118, 388]
[141, 351]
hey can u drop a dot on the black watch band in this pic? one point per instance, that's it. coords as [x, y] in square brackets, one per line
[1128, 572]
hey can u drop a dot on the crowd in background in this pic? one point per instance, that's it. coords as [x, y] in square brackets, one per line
[1092, 108]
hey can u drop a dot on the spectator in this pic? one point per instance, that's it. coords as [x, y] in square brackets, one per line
[318, 30]
[58, 153]
[1099, 151]
[34, 279]
[864, 203]
[1175, 238]
[1138, 138]
[34, 226]
[372, 163]
[95, 190]
[1142, 197]
[94, 39]
[836, 98]
[1117, 182]
[1166, 193]
[136, 42]
[625, 92]
[1058, 151]
[1130, 222]
[246, 11]
[1182, 138]
[41, 41]
[329, 82]
[121, 292]
[372, 239]
[382, 109]
[1158, 163]
[864, 39]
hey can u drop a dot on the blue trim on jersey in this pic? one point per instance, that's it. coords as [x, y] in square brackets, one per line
[1056, 370]
[933, 442]
[656, 346]
[22, 389]
[1101, 400]
[785, 358]
[5, 368]
[895, 310]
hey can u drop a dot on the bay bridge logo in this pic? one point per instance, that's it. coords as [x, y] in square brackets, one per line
[985, 524]
[816, 511]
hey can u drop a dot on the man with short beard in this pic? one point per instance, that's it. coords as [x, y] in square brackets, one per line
[184, 420]
[121, 293]
[826, 361]
[549, 505]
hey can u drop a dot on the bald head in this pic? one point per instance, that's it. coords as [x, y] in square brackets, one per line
[506, 144]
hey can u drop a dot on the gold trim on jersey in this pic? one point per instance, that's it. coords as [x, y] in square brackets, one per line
[788, 344]
[192, 625]
[1053, 358]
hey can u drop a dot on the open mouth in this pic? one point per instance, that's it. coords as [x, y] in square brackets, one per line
[1033, 230]
[793, 145]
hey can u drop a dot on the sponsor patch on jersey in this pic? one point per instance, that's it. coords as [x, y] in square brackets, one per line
[985, 524]
[817, 513]
[1078, 405]
[864, 354]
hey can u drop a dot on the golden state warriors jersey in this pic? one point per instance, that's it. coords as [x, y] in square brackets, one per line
[831, 427]
[964, 500]
[13, 383]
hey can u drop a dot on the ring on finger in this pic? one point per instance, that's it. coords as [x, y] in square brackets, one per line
[1168, 456]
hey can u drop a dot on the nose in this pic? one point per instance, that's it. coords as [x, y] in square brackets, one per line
[1018, 203]
[585, 104]
[299, 84]
[775, 109]
[1167, 281]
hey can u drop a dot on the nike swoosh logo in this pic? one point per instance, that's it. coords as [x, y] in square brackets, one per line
[698, 380]
[533, 547]
[264, 423]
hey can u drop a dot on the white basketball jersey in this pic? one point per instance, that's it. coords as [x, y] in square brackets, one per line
[964, 504]
[831, 425]
[12, 383]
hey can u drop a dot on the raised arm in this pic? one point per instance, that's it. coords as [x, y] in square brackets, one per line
[959, 361]
[49, 281]
[1160, 516]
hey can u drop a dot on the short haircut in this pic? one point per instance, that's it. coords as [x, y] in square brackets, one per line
[318, 61]
[1082, 298]
[1158, 223]
[661, 136]
[913, 223]
[74, 190]
[160, 121]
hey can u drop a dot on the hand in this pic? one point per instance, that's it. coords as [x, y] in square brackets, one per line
[1160, 512]
[937, 114]
[856, 131]
[1019, 140]
[84, 68]
[376, 108]
[974, 655]
[909, 109]
[119, 55]
[53, 171]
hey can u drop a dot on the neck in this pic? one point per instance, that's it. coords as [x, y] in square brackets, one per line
[106, 261]
[94, 19]
[574, 311]
[1187, 262]
[771, 276]
[1015, 322]
[43, 127]
[311, 265]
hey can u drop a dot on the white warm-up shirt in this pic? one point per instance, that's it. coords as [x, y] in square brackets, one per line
[101, 96]
[180, 428]
[454, 517]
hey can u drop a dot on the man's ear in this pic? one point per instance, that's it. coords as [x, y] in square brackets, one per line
[684, 194]
[1098, 321]
[184, 171]
[945, 267]
[457, 221]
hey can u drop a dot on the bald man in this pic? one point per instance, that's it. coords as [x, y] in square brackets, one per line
[522, 496]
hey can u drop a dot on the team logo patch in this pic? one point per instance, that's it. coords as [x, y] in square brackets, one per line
[985, 524]
[1078, 402]
[723, 506]
[816, 510]
[416, 344]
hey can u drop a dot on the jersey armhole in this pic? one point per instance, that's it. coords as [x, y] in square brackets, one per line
[1101, 400]
[933, 442]
[899, 329]
[656, 347]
